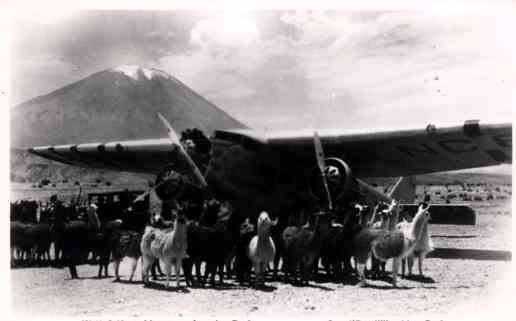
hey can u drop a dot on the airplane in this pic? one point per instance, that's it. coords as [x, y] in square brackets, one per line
[277, 171]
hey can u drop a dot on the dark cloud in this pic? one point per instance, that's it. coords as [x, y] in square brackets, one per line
[95, 40]
[94, 35]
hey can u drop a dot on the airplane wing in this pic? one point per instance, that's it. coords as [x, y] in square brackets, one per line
[140, 156]
[392, 153]
[368, 153]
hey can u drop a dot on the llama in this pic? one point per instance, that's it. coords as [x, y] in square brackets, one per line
[388, 244]
[261, 249]
[423, 247]
[302, 247]
[385, 215]
[126, 241]
[377, 266]
[329, 255]
[361, 212]
[212, 245]
[126, 244]
[242, 264]
[167, 245]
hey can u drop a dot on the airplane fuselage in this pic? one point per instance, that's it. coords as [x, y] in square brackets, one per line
[255, 183]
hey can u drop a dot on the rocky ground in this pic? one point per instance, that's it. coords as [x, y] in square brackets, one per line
[459, 286]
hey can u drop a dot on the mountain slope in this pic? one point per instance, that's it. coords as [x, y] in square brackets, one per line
[118, 103]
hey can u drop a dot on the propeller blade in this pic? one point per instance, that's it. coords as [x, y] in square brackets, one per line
[198, 178]
[171, 132]
[142, 196]
[319, 155]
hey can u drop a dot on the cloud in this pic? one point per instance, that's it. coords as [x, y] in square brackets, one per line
[93, 41]
[159, 34]
[52, 65]
[328, 69]
[385, 65]
[37, 74]
[348, 69]
[231, 63]
[316, 28]
[228, 30]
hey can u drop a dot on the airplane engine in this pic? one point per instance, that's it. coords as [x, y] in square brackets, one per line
[341, 182]
[169, 185]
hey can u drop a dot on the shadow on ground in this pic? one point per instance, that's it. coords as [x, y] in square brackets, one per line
[162, 287]
[419, 278]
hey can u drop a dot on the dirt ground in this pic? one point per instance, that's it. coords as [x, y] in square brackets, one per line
[461, 285]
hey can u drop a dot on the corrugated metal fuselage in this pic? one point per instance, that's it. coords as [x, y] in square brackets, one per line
[256, 180]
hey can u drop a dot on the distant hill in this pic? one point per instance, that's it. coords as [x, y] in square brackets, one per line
[450, 178]
[114, 104]
[465, 178]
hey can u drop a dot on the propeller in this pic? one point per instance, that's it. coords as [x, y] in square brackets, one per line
[319, 155]
[195, 177]
[142, 196]
[174, 138]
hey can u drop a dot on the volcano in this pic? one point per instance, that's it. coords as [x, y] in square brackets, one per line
[114, 104]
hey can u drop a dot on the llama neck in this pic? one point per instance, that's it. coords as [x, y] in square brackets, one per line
[179, 231]
[424, 231]
[417, 226]
[263, 234]
[317, 236]
[385, 221]
[373, 217]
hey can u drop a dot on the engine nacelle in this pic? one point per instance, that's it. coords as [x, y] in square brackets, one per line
[341, 182]
[169, 185]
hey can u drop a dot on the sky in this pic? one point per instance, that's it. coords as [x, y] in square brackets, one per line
[289, 69]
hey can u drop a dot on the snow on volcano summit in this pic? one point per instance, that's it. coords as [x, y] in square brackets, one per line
[133, 72]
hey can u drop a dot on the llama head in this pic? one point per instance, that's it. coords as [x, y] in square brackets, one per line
[392, 205]
[155, 219]
[225, 211]
[360, 213]
[360, 209]
[246, 227]
[264, 223]
[422, 215]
